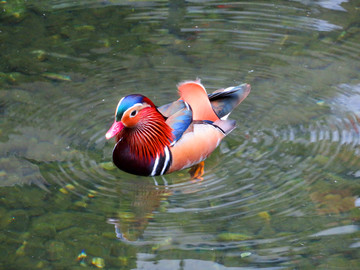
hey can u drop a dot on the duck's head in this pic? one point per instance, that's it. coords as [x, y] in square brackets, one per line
[129, 113]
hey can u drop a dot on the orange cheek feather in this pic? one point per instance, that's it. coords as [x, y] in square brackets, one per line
[129, 121]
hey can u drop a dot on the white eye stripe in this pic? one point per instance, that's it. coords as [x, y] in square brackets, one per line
[133, 107]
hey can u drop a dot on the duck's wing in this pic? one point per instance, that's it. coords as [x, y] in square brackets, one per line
[171, 108]
[179, 117]
[195, 104]
[194, 93]
[223, 101]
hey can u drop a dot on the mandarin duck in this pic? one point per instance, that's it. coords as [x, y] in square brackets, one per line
[154, 140]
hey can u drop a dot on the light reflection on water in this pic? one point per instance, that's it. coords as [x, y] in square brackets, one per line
[281, 183]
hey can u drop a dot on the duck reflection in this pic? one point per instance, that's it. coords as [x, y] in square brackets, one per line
[137, 208]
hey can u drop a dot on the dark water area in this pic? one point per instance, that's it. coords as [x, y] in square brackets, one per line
[280, 192]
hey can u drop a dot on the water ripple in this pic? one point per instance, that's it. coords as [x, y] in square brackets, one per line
[288, 159]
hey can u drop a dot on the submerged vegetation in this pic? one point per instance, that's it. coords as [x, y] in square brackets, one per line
[281, 191]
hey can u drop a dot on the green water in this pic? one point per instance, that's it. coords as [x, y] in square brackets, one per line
[281, 190]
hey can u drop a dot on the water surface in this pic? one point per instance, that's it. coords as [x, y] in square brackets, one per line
[280, 192]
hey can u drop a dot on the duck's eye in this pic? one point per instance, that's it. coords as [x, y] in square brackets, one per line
[133, 113]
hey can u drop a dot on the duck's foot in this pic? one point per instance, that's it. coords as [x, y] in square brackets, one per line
[197, 171]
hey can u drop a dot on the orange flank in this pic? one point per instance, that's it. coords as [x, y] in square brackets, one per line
[195, 146]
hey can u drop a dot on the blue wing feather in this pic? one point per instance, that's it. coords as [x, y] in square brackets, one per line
[179, 117]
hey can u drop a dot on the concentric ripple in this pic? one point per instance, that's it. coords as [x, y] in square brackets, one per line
[284, 177]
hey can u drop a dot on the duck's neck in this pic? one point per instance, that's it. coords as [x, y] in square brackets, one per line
[150, 136]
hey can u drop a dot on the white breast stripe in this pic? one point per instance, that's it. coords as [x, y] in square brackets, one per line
[156, 163]
[167, 159]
